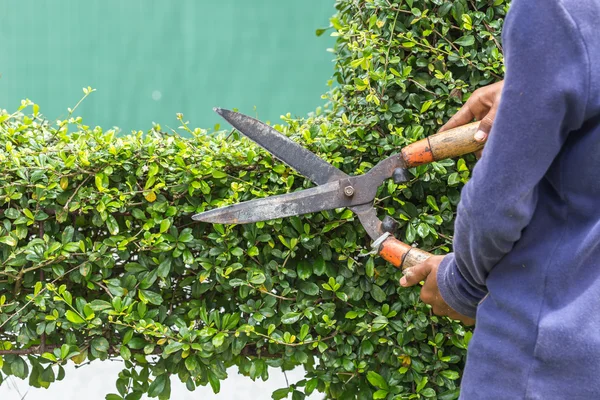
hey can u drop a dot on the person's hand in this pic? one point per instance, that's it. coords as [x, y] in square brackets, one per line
[482, 106]
[430, 294]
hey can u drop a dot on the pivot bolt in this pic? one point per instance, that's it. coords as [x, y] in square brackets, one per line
[349, 191]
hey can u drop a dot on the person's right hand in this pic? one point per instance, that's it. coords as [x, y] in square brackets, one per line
[481, 106]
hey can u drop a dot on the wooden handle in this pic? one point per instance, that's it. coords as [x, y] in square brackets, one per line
[400, 254]
[449, 144]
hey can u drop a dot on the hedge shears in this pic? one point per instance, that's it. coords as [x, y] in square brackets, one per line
[338, 190]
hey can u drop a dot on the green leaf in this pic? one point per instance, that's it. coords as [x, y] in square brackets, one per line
[453, 375]
[290, 318]
[164, 268]
[236, 282]
[9, 240]
[19, 368]
[280, 393]
[125, 352]
[186, 236]
[148, 296]
[378, 294]
[218, 339]
[100, 344]
[218, 174]
[164, 225]
[319, 266]
[376, 380]
[370, 267]
[12, 213]
[74, 317]
[304, 269]
[351, 315]
[157, 387]
[467, 40]
[112, 224]
[214, 382]
[309, 288]
[173, 347]
[423, 229]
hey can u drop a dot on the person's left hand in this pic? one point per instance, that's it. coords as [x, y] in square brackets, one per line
[430, 294]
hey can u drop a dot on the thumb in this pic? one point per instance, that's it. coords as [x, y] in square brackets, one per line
[416, 274]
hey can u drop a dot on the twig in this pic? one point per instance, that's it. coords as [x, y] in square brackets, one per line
[66, 207]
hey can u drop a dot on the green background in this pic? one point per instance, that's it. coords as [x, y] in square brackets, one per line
[151, 59]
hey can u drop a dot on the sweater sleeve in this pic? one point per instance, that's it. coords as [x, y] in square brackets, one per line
[544, 98]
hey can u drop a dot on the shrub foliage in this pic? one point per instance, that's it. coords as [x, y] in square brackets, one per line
[100, 258]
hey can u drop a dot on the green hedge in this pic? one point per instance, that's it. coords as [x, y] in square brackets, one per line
[100, 258]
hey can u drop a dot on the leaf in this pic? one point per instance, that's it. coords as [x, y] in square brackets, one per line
[452, 375]
[12, 213]
[9, 240]
[370, 267]
[319, 266]
[304, 269]
[99, 181]
[151, 197]
[74, 317]
[173, 347]
[157, 387]
[148, 296]
[280, 393]
[100, 344]
[164, 225]
[378, 294]
[186, 236]
[467, 40]
[19, 368]
[125, 353]
[290, 318]
[64, 182]
[218, 339]
[164, 268]
[236, 282]
[309, 288]
[112, 224]
[376, 380]
[423, 229]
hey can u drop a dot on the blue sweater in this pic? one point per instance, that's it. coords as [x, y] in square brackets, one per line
[527, 236]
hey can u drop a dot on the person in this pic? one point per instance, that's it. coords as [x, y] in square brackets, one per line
[526, 261]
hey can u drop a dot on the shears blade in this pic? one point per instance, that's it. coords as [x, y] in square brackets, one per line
[302, 160]
[323, 197]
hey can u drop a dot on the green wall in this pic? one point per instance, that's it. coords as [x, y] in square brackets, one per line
[151, 59]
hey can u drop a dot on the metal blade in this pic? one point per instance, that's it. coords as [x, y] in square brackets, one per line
[323, 197]
[368, 218]
[302, 160]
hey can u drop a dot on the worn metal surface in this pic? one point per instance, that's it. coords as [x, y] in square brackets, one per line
[305, 162]
[336, 189]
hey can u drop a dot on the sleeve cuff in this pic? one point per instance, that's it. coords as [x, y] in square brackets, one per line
[455, 289]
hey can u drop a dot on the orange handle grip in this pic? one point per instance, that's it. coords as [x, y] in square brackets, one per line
[449, 144]
[400, 254]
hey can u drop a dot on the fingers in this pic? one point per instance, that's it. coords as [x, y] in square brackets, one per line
[416, 274]
[485, 126]
[462, 117]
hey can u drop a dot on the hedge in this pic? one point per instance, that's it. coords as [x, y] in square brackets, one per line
[100, 257]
